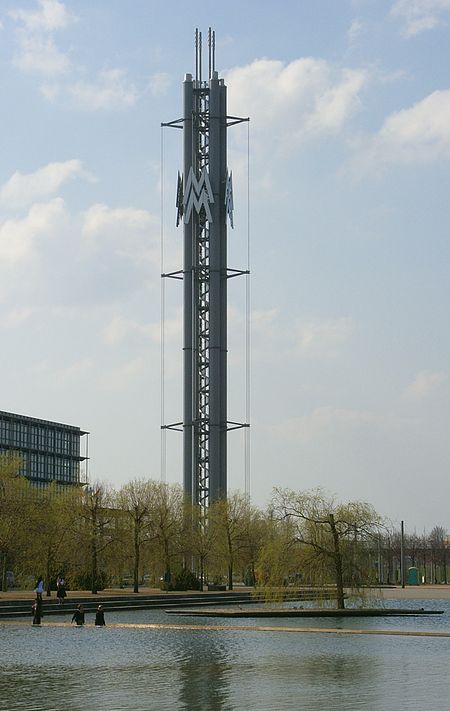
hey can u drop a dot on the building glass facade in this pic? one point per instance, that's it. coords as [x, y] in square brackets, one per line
[50, 451]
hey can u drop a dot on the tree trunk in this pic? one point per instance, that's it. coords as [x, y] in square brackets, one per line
[94, 571]
[4, 577]
[168, 574]
[230, 576]
[445, 566]
[94, 568]
[230, 562]
[48, 573]
[337, 565]
[136, 559]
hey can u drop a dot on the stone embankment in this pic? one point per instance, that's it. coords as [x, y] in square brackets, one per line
[16, 604]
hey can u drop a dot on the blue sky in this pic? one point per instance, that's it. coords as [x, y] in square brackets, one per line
[349, 162]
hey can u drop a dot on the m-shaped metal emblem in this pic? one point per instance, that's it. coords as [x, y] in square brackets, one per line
[198, 194]
[229, 205]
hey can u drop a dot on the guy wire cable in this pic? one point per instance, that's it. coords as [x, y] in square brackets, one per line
[247, 460]
[163, 454]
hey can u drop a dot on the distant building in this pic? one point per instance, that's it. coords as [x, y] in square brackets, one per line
[50, 450]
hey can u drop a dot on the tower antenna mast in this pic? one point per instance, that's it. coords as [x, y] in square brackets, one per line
[204, 205]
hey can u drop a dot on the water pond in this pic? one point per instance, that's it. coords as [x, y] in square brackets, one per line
[202, 666]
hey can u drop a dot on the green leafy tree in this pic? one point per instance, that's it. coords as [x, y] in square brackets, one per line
[254, 532]
[137, 500]
[329, 529]
[96, 530]
[166, 525]
[52, 516]
[200, 538]
[228, 516]
[13, 504]
[276, 561]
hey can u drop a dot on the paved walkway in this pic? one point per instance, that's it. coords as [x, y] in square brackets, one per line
[413, 592]
[108, 592]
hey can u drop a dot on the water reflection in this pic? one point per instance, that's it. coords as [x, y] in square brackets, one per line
[346, 680]
[119, 668]
[203, 670]
[37, 689]
[345, 669]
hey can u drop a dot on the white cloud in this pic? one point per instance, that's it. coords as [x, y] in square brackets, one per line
[37, 52]
[22, 189]
[39, 55]
[18, 316]
[50, 91]
[420, 15]
[323, 421]
[110, 91]
[263, 320]
[420, 133]
[123, 376]
[159, 83]
[100, 217]
[424, 384]
[123, 232]
[355, 31]
[120, 328]
[74, 371]
[18, 237]
[51, 15]
[296, 101]
[323, 338]
[69, 260]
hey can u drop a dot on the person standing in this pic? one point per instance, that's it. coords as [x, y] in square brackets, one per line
[39, 589]
[100, 617]
[78, 616]
[60, 589]
[37, 611]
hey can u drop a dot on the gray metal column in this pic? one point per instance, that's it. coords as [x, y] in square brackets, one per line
[218, 288]
[204, 202]
[188, 278]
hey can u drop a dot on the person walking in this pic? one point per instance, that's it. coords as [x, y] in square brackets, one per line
[60, 589]
[100, 617]
[78, 616]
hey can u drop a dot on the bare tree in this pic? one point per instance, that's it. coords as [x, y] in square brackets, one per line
[437, 541]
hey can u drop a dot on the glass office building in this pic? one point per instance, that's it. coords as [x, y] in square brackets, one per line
[50, 451]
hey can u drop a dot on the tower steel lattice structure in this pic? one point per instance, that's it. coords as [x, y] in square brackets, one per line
[204, 206]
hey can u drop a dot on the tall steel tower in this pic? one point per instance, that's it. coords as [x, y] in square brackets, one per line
[204, 204]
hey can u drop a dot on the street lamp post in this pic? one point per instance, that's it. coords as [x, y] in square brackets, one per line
[402, 554]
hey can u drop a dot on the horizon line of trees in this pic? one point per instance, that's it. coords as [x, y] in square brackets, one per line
[147, 533]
